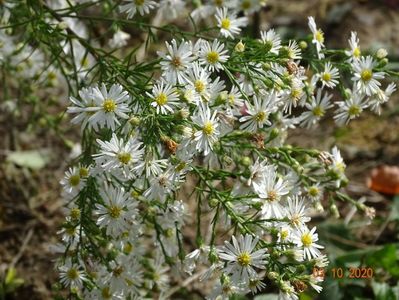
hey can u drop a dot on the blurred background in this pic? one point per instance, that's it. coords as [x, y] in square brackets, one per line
[35, 149]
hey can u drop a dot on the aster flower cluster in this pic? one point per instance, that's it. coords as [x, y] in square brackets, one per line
[184, 169]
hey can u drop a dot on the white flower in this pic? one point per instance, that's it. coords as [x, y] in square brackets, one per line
[119, 39]
[164, 98]
[176, 61]
[271, 189]
[171, 9]
[257, 115]
[329, 76]
[318, 37]
[296, 211]
[337, 162]
[72, 182]
[293, 51]
[381, 97]
[354, 53]
[212, 56]
[259, 170]
[316, 109]
[350, 108]
[228, 23]
[71, 274]
[208, 133]
[160, 186]
[199, 83]
[84, 108]
[119, 154]
[271, 40]
[364, 76]
[307, 240]
[242, 258]
[110, 105]
[141, 6]
[117, 211]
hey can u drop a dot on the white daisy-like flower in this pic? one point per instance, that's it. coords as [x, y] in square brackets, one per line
[119, 39]
[306, 240]
[257, 115]
[164, 98]
[199, 83]
[208, 133]
[117, 211]
[271, 40]
[72, 182]
[297, 212]
[110, 106]
[212, 56]
[329, 76]
[381, 97]
[354, 53]
[337, 162]
[350, 109]
[176, 61]
[118, 153]
[131, 7]
[271, 189]
[171, 9]
[318, 37]
[242, 257]
[84, 108]
[160, 186]
[364, 76]
[316, 109]
[228, 23]
[293, 51]
[71, 274]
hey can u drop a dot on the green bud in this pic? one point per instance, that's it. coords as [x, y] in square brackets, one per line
[334, 211]
[266, 66]
[383, 62]
[274, 133]
[134, 121]
[213, 257]
[246, 161]
[303, 45]
[213, 202]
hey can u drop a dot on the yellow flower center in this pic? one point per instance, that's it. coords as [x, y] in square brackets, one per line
[306, 240]
[74, 180]
[199, 86]
[260, 116]
[283, 234]
[296, 93]
[354, 110]
[357, 52]
[326, 76]
[114, 211]
[244, 259]
[70, 230]
[313, 191]
[319, 36]
[128, 248]
[246, 4]
[124, 158]
[106, 293]
[208, 128]
[318, 111]
[212, 57]
[139, 2]
[72, 273]
[83, 172]
[176, 62]
[117, 271]
[225, 24]
[161, 99]
[109, 105]
[75, 213]
[272, 195]
[366, 75]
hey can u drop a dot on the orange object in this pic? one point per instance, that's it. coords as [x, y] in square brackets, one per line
[384, 179]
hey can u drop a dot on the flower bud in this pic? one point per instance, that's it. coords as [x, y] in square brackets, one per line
[134, 121]
[240, 47]
[381, 53]
[272, 275]
[334, 210]
[213, 202]
[246, 161]
[303, 45]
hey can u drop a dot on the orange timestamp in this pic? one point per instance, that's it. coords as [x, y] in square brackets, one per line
[354, 273]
